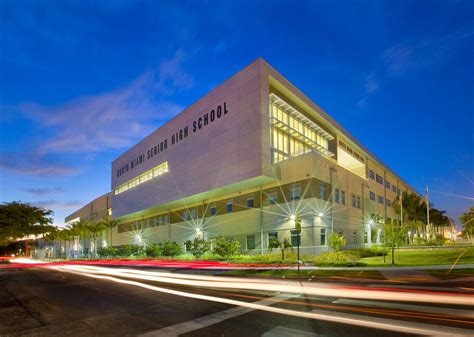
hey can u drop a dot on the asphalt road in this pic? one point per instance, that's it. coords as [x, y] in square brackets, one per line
[47, 302]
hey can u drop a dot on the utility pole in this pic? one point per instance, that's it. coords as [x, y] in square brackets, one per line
[427, 209]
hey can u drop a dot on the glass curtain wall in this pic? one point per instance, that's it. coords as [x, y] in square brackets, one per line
[293, 134]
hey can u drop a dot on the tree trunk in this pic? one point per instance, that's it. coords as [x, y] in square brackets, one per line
[393, 254]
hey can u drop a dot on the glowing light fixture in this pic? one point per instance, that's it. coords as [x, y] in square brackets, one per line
[321, 215]
[292, 217]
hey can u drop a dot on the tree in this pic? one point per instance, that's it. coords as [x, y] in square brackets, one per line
[80, 229]
[110, 224]
[95, 229]
[282, 245]
[467, 220]
[395, 235]
[226, 247]
[19, 219]
[198, 247]
[336, 241]
[414, 207]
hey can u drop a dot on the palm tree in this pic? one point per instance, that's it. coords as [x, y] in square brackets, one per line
[80, 229]
[414, 207]
[95, 229]
[110, 224]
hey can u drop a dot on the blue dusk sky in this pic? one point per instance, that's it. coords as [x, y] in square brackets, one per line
[82, 81]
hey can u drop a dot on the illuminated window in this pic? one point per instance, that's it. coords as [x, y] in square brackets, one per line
[293, 133]
[144, 177]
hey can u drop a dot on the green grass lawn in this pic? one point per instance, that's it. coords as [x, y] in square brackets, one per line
[424, 257]
[367, 274]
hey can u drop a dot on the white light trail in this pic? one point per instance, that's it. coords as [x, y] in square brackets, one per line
[401, 326]
[314, 289]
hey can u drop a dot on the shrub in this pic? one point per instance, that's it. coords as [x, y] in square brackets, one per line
[171, 249]
[366, 252]
[336, 241]
[107, 252]
[154, 250]
[137, 250]
[198, 247]
[226, 247]
[124, 251]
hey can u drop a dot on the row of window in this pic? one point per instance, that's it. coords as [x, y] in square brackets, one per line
[295, 238]
[378, 178]
[380, 199]
[339, 196]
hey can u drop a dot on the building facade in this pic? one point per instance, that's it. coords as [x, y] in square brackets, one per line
[241, 161]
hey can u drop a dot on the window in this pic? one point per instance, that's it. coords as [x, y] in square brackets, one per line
[213, 210]
[295, 238]
[353, 200]
[272, 235]
[387, 184]
[272, 198]
[336, 195]
[306, 135]
[343, 197]
[295, 192]
[165, 219]
[372, 196]
[388, 202]
[229, 206]
[398, 191]
[358, 203]
[251, 202]
[379, 179]
[371, 174]
[250, 242]
[380, 199]
[394, 189]
[323, 237]
[185, 215]
[192, 213]
[322, 190]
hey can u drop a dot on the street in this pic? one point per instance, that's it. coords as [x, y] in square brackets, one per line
[91, 300]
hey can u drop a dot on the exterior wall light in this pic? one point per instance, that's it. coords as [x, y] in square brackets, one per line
[292, 217]
[321, 215]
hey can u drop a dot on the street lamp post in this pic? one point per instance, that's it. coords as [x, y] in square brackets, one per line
[298, 233]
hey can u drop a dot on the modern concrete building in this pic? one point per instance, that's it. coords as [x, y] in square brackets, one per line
[243, 159]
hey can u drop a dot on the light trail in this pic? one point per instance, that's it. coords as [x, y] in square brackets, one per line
[314, 289]
[401, 326]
